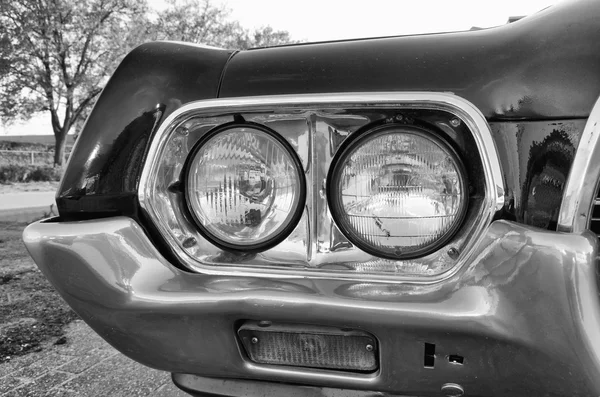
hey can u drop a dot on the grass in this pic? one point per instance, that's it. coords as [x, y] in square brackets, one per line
[19, 154]
[26, 146]
[16, 162]
[29, 173]
[31, 310]
[47, 139]
[24, 158]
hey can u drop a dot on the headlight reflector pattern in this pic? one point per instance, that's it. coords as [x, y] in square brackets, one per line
[397, 191]
[244, 187]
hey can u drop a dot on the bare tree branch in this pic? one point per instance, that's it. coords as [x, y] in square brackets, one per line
[58, 52]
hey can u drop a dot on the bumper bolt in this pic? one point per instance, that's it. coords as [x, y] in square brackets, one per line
[452, 390]
[455, 122]
[254, 340]
[369, 348]
[453, 253]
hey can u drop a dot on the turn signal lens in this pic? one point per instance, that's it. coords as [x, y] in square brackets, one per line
[244, 187]
[398, 192]
[310, 346]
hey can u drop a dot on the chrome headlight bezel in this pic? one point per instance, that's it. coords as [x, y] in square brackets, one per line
[291, 220]
[350, 145]
[316, 247]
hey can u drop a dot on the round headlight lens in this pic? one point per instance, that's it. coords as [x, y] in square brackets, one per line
[244, 187]
[397, 192]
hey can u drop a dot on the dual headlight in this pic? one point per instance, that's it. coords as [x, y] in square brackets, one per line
[244, 187]
[394, 191]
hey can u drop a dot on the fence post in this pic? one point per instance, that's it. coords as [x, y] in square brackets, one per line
[31, 158]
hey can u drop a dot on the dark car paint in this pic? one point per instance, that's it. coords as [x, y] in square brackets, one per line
[543, 68]
[152, 81]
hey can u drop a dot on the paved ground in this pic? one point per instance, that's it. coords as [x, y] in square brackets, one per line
[26, 206]
[84, 366]
[11, 201]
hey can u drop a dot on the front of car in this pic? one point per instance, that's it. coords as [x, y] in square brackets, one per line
[395, 216]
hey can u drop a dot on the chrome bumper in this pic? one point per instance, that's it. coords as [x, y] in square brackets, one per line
[524, 313]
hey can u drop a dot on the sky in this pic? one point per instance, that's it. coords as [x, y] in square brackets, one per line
[320, 20]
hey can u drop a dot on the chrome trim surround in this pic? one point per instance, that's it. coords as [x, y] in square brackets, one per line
[214, 110]
[582, 185]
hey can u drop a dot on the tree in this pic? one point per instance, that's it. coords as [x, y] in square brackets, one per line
[264, 37]
[58, 54]
[4, 49]
[196, 21]
[199, 21]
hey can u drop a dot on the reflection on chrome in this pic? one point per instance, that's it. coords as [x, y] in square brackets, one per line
[243, 186]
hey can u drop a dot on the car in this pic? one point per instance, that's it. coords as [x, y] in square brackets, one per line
[413, 215]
